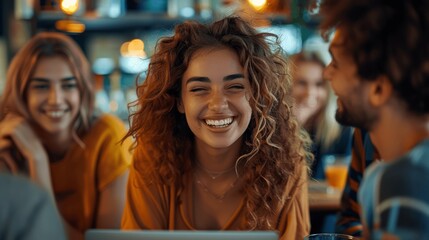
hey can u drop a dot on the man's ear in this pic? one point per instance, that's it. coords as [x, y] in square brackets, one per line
[179, 105]
[380, 91]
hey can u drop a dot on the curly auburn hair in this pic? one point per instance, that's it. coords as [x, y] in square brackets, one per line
[386, 37]
[23, 65]
[275, 149]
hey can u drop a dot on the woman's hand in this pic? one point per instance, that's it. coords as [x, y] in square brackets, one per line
[7, 163]
[17, 135]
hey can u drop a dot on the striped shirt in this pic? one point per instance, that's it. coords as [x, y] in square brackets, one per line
[363, 154]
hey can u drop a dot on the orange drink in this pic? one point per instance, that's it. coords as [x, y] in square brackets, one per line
[336, 168]
[336, 175]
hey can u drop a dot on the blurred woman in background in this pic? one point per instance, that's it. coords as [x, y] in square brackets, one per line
[49, 132]
[315, 110]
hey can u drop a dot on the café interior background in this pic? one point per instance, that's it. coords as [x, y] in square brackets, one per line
[119, 36]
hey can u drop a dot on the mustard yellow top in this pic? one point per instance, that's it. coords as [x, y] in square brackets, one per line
[155, 206]
[79, 178]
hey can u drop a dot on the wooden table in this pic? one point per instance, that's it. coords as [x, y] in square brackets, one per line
[322, 197]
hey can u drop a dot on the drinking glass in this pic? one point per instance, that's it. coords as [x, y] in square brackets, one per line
[336, 167]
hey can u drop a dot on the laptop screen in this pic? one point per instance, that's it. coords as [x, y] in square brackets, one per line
[105, 234]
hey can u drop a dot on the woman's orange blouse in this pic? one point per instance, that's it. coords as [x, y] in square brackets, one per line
[79, 178]
[155, 206]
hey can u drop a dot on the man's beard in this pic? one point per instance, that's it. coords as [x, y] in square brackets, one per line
[359, 118]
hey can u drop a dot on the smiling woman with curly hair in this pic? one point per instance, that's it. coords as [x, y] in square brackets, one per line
[217, 145]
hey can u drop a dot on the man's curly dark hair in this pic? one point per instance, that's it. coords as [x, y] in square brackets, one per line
[386, 37]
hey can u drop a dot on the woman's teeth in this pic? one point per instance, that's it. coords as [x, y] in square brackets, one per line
[219, 123]
[55, 114]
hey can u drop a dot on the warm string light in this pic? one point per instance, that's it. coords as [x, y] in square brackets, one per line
[69, 7]
[258, 4]
[133, 48]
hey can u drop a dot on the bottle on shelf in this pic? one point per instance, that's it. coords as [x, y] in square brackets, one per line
[101, 97]
[118, 104]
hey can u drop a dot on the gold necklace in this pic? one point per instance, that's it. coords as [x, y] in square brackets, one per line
[214, 174]
[219, 197]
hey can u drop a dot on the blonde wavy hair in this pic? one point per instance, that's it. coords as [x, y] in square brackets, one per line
[274, 150]
[327, 129]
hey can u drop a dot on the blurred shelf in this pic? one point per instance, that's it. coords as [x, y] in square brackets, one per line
[147, 21]
[128, 22]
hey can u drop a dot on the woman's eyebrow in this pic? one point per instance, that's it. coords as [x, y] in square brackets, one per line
[40, 79]
[206, 79]
[72, 78]
[197, 79]
[233, 76]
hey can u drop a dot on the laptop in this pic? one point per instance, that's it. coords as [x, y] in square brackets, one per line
[114, 234]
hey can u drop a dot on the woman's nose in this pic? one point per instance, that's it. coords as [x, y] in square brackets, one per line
[327, 72]
[218, 101]
[311, 95]
[55, 95]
